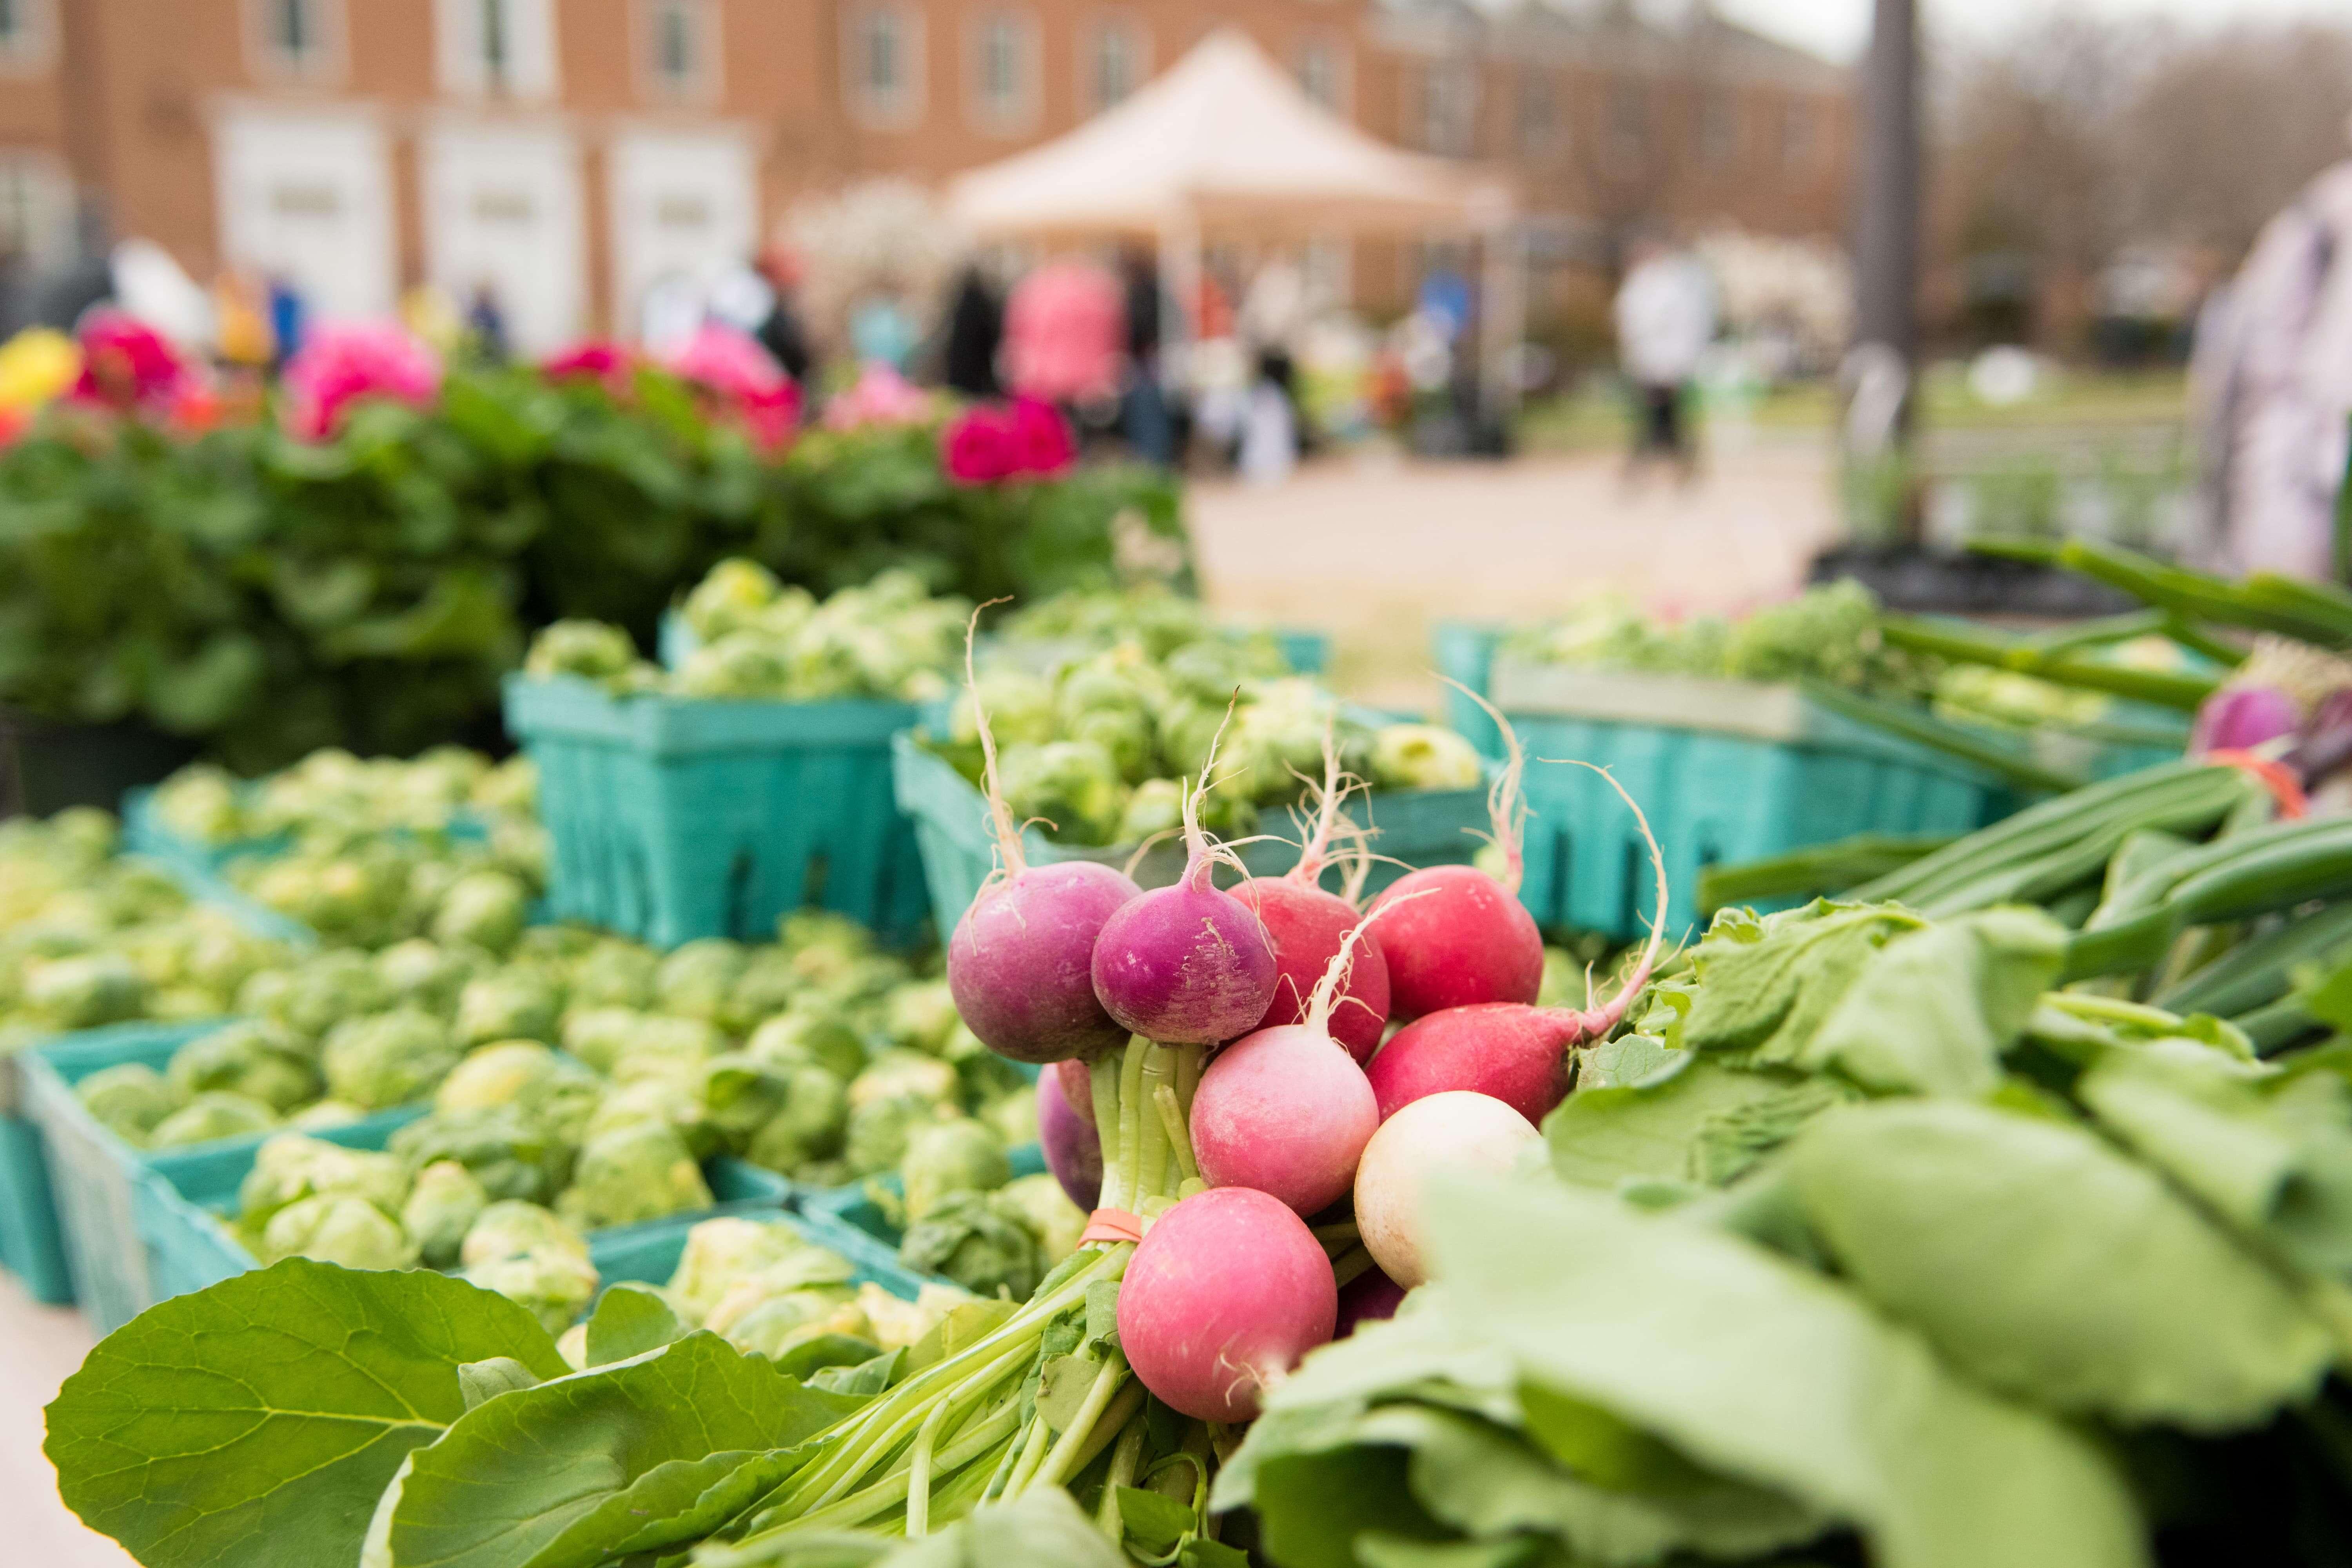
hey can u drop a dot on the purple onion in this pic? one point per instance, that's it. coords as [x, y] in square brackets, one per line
[2237, 718]
[2327, 743]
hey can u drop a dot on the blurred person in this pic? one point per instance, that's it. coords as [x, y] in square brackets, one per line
[1064, 330]
[1665, 318]
[1269, 425]
[1145, 417]
[289, 315]
[2271, 392]
[780, 329]
[881, 331]
[242, 307]
[486, 325]
[1273, 319]
[975, 334]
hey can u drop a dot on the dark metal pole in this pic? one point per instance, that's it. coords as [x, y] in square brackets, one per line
[1887, 221]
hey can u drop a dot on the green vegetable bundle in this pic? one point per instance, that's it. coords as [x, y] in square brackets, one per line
[1866, 1245]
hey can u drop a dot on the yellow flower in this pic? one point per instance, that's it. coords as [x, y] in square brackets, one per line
[36, 365]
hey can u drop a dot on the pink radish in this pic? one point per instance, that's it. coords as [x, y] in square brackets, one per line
[1473, 941]
[1073, 1150]
[1309, 924]
[1020, 965]
[1224, 1294]
[1454, 1131]
[1185, 964]
[1370, 1297]
[1514, 1053]
[1286, 1111]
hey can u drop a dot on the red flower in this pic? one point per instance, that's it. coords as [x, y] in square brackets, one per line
[745, 380]
[1042, 444]
[128, 365]
[13, 423]
[593, 359]
[978, 447]
[344, 363]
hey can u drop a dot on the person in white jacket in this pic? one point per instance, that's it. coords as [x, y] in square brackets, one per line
[1665, 318]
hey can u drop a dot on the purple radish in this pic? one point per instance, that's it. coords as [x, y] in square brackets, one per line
[1185, 964]
[1224, 1294]
[2239, 717]
[1286, 1111]
[1073, 1150]
[1370, 1298]
[1020, 965]
[1309, 924]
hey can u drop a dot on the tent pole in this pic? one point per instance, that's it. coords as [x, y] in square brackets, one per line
[1502, 317]
[1179, 278]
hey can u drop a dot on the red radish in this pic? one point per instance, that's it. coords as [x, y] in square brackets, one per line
[1516, 1054]
[1286, 1111]
[1073, 1149]
[1224, 1294]
[1020, 965]
[1474, 940]
[1370, 1297]
[1454, 1131]
[1309, 924]
[1185, 964]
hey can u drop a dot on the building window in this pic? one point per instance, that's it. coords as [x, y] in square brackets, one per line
[1449, 107]
[1797, 134]
[498, 49]
[1323, 73]
[27, 31]
[681, 53]
[1117, 59]
[1718, 126]
[885, 66]
[1005, 73]
[1539, 119]
[299, 38]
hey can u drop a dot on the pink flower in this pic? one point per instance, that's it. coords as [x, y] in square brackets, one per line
[593, 359]
[340, 365]
[744, 378]
[128, 365]
[882, 396]
[1042, 444]
[977, 448]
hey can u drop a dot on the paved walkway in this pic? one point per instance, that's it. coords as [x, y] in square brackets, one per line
[1377, 549]
[38, 1346]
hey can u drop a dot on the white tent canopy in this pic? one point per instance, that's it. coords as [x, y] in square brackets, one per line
[1223, 141]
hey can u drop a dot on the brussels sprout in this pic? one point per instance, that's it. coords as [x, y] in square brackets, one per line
[202, 802]
[719, 1252]
[514, 1155]
[598, 1036]
[1020, 710]
[590, 649]
[554, 1285]
[556, 948]
[441, 1208]
[486, 909]
[254, 1059]
[775, 1323]
[511, 1005]
[508, 1228]
[1039, 1203]
[673, 1101]
[1073, 785]
[316, 994]
[894, 1324]
[1154, 810]
[1424, 756]
[731, 596]
[84, 989]
[876, 1131]
[771, 981]
[739, 1094]
[950, 1157]
[512, 785]
[614, 973]
[970, 1242]
[697, 980]
[1012, 1116]
[129, 1098]
[812, 1038]
[922, 1016]
[808, 1126]
[640, 1171]
[291, 1167]
[822, 934]
[662, 1046]
[324, 1115]
[738, 666]
[389, 1059]
[210, 1117]
[341, 1229]
[507, 1072]
[905, 1075]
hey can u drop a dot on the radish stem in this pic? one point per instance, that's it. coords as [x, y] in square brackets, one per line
[1180, 1142]
[1098, 1392]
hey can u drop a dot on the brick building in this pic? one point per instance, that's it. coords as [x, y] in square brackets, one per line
[570, 152]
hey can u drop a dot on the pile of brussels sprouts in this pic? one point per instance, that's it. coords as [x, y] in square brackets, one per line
[332, 793]
[756, 639]
[88, 938]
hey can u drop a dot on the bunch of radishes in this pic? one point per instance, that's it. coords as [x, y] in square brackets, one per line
[1220, 1076]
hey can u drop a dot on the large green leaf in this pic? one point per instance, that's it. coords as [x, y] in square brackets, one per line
[256, 1423]
[1761, 1371]
[1695, 1119]
[1932, 1011]
[626, 1458]
[1767, 983]
[2047, 1265]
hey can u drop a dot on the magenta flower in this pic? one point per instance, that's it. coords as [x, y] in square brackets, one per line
[881, 397]
[977, 448]
[593, 359]
[1042, 444]
[745, 380]
[340, 365]
[129, 366]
